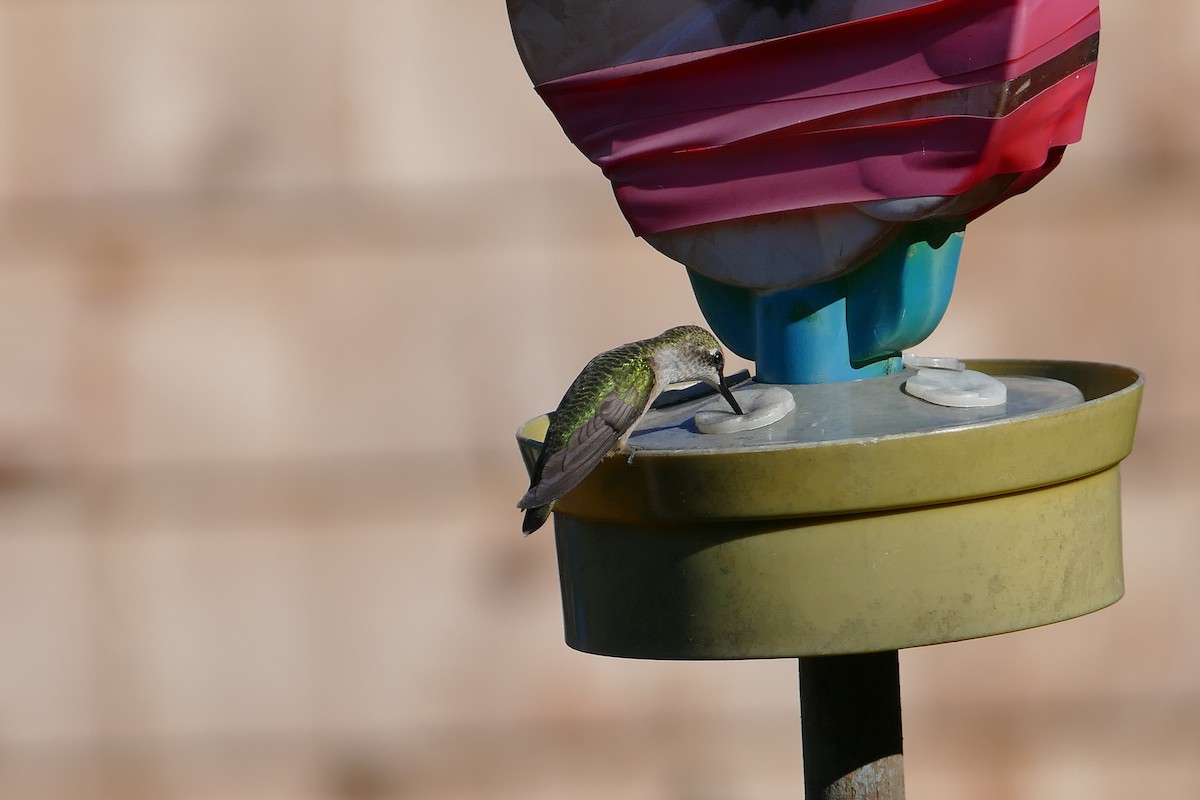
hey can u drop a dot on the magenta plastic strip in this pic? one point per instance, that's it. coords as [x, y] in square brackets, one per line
[736, 132]
[931, 157]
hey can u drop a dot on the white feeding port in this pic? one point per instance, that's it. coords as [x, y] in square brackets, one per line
[763, 405]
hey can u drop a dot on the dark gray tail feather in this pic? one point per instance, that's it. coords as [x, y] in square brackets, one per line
[535, 518]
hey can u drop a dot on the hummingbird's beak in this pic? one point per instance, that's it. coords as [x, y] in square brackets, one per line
[728, 395]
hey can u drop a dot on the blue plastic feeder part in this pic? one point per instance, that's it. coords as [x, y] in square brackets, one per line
[848, 328]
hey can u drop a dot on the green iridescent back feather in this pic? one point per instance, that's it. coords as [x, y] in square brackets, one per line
[626, 368]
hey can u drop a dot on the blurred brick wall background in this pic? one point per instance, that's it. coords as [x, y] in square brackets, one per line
[278, 280]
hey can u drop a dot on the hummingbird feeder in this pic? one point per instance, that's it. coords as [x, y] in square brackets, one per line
[813, 164]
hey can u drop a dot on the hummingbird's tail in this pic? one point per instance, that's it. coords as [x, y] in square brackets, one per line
[535, 518]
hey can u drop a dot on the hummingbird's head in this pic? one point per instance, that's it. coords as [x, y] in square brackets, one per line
[694, 354]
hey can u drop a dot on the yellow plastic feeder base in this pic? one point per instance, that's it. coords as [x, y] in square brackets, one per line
[791, 543]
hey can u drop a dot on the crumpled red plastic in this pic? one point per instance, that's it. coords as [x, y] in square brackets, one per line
[768, 126]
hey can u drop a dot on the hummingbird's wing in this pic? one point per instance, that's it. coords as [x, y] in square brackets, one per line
[563, 469]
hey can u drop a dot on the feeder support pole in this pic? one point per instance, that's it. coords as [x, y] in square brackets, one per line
[851, 727]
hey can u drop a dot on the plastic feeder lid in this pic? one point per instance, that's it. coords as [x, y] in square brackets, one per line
[870, 524]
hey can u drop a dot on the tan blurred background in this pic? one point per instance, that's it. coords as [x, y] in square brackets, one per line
[278, 280]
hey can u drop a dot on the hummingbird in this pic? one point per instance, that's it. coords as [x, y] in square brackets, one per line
[605, 403]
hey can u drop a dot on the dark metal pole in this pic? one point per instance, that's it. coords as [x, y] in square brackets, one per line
[850, 721]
